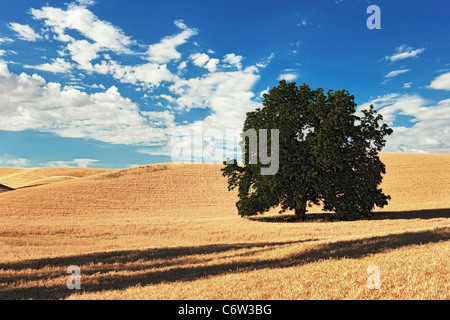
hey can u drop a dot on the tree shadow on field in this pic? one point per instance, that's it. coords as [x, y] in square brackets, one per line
[383, 215]
[414, 214]
[102, 266]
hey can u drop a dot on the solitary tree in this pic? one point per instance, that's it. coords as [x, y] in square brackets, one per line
[327, 154]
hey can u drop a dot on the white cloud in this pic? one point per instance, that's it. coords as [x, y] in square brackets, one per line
[429, 131]
[85, 2]
[79, 18]
[229, 97]
[100, 35]
[395, 73]
[266, 61]
[203, 60]
[227, 94]
[8, 161]
[4, 39]
[83, 52]
[211, 65]
[59, 164]
[199, 59]
[58, 65]
[233, 60]
[407, 85]
[404, 52]
[149, 74]
[167, 97]
[24, 31]
[29, 102]
[84, 163]
[80, 163]
[159, 119]
[441, 82]
[288, 76]
[262, 93]
[182, 66]
[98, 86]
[166, 50]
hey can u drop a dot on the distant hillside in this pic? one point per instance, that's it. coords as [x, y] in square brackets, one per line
[20, 178]
[414, 181]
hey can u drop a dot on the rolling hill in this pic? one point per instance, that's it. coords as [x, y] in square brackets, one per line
[145, 232]
[414, 181]
[20, 178]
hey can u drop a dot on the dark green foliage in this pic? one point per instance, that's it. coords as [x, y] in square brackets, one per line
[327, 154]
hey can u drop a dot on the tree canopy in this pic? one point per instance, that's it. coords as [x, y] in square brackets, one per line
[327, 154]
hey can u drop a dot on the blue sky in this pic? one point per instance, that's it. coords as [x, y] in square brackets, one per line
[114, 83]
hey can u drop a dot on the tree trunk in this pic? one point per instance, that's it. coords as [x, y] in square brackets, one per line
[301, 204]
[300, 213]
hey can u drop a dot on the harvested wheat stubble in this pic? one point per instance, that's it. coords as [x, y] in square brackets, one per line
[172, 231]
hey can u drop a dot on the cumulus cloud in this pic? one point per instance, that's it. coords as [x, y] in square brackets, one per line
[404, 52]
[24, 31]
[166, 50]
[211, 65]
[224, 89]
[100, 35]
[227, 94]
[182, 66]
[441, 82]
[148, 75]
[83, 20]
[288, 76]
[8, 161]
[83, 52]
[199, 59]
[30, 102]
[233, 60]
[429, 131]
[203, 60]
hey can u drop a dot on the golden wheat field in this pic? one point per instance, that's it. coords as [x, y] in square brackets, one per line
[171, 231]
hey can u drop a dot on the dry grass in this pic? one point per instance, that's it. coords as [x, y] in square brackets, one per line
[9, 171]
[20, 178]
[172, 232]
